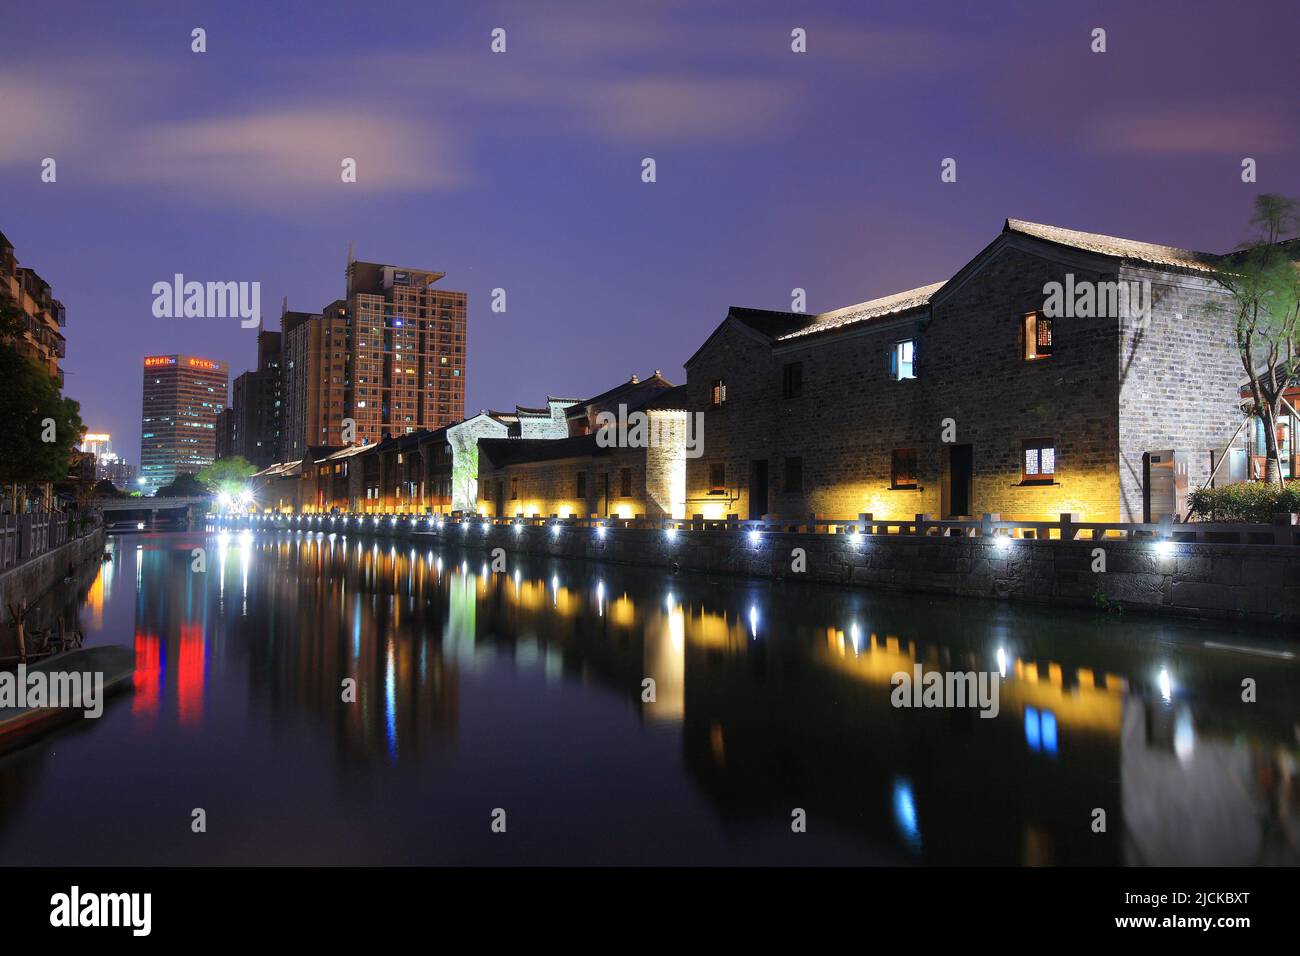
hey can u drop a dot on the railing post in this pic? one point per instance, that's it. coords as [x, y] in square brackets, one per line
[986, 523]
[921, 522]
[864, 523]
[1284, 528]
[1068, 520]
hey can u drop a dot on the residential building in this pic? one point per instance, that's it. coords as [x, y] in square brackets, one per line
[312, 379]
[389, 357]
[256, 405]
[43, 316]
[408, 354]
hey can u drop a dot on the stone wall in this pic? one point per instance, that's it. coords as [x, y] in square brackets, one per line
[463, 439]
[551, 487]
[665, 464]
[973, 369]
[1106, 394]
[1179, 380]
[30, 580]
[1258, 583]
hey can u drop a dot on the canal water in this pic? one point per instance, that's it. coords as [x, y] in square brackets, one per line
[519, 697]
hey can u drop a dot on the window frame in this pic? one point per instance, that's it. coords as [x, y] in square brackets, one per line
[788, 487]
[1037, 445]
[896, 361]
[717, 487]
[792, 380]
[908, 483]
[625, 482]
[1031, 349]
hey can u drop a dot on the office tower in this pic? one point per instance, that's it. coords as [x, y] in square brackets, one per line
[183, 395]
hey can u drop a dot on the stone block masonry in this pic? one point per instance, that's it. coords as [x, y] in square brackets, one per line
[33, 578]
[1258, 583]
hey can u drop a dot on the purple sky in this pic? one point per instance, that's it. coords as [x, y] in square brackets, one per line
[522, 170]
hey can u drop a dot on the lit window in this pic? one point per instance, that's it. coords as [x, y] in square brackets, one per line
[902, 360]
[718, 393]
[1038, 336]
[1039, 460]
[902, 468]
[717, 478]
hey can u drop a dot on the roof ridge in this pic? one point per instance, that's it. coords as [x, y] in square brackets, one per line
[1118, 247]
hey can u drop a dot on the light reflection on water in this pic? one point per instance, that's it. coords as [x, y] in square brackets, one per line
[529, 687]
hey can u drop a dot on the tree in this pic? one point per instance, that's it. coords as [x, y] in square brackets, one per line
[228, 475]
[183, 485]
[104, 488]
[41, 427]
[1263, 282]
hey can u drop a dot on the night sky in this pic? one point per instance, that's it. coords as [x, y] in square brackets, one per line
[523, 170]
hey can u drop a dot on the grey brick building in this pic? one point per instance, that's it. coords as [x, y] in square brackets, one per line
[978, 394]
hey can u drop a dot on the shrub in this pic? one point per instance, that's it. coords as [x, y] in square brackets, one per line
[1245, 501]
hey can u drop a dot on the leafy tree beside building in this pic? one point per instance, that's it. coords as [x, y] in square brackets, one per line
[1263, 282]
[41, 428]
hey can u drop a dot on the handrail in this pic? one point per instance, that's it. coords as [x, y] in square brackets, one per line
[1068, 527]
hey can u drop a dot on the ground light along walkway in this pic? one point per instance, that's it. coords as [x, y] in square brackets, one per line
[1250, 572]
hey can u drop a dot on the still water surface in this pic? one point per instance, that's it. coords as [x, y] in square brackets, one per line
[523, 691]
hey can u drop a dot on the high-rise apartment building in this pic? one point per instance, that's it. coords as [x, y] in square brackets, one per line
[253, 426]
[302, 366]
[409, 350]
[43, 316]
[390, 356]
[183, 395]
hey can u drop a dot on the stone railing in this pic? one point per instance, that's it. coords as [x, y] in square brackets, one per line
[27, 536]
[1285, 530]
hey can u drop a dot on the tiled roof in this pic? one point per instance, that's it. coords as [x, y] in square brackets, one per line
[513, 451]
[673, 399]
[1147, 252]
[646, 386]
[769, 322]
[868, 311]
[350, 451]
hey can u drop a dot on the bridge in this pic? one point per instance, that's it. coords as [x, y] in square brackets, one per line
[107, 505]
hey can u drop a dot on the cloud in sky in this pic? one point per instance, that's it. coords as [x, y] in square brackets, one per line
[288, 151]
[1197, 129]
[613, 80]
